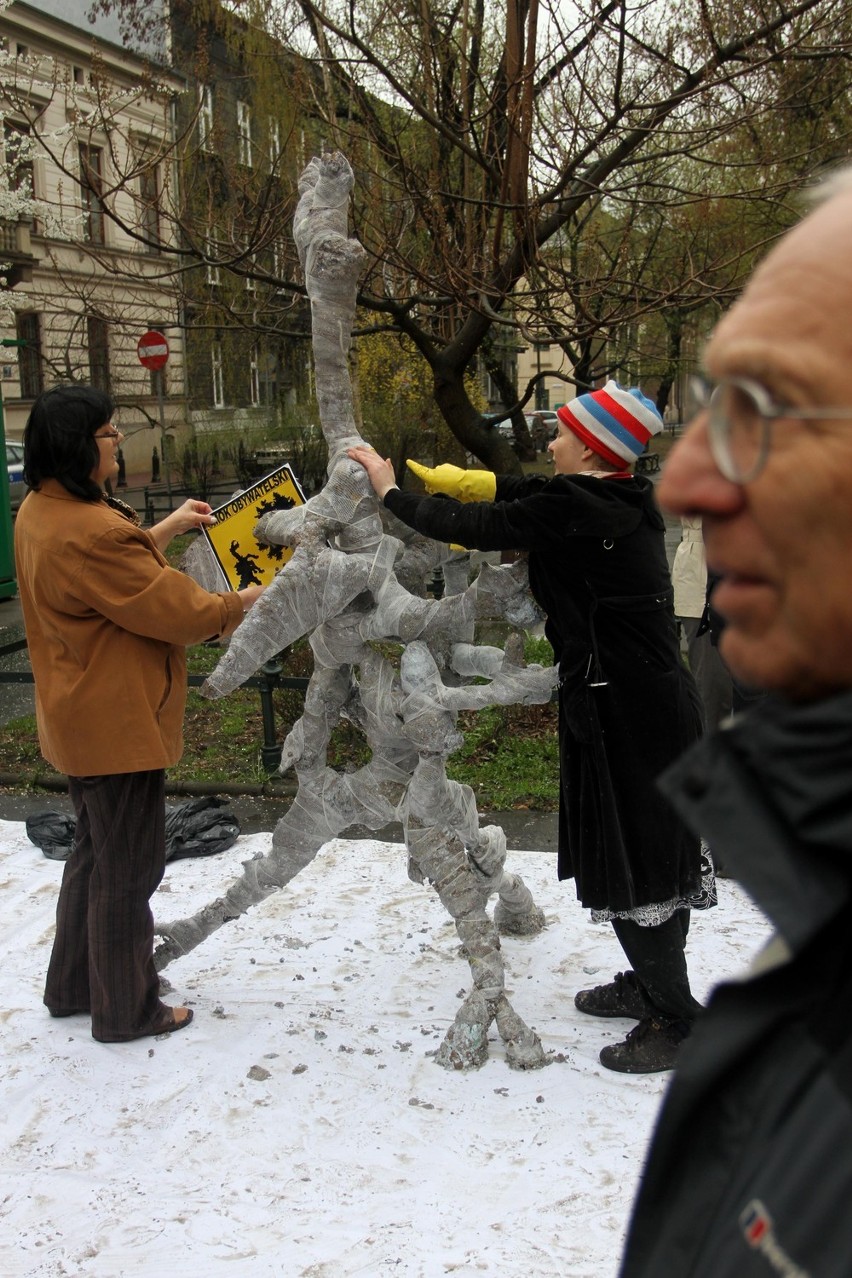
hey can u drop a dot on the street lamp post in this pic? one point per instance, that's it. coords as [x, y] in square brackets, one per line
[8, 584]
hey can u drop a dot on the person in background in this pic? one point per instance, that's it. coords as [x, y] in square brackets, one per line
[750, 1168]
[689, 578]
[107, 621]
[627, 704]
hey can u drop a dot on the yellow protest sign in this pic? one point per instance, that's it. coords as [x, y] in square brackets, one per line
[243, 560]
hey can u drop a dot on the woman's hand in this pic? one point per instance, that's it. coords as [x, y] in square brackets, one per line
[192, 514]
[250, 596]
[380, 472]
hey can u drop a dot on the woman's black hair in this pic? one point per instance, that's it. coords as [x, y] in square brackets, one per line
[59, 438]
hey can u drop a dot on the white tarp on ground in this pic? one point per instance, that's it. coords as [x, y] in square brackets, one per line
[299, 1128]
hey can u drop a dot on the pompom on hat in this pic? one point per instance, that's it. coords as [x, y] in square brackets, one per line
[615, 422]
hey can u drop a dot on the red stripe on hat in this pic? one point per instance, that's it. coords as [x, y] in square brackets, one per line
[623, 416]
[591, 441]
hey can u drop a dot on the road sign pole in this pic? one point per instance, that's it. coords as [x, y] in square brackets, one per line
[163, 441]
[153, 351]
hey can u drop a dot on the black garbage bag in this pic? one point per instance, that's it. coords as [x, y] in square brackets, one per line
[199, 827]
[53, 833]
[196, 827]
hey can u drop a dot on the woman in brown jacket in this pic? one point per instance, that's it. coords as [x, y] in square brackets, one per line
[107, 622]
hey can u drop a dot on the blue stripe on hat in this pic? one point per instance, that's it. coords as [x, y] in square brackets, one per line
[609, 423]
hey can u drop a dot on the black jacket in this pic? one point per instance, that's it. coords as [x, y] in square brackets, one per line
[750, 1170]
[628, 707]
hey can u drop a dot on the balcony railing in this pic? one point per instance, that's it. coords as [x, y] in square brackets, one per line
[16, 256]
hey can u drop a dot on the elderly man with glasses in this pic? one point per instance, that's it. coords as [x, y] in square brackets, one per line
[750, 1171]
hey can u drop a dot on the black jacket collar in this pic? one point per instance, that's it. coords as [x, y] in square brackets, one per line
[772, 794]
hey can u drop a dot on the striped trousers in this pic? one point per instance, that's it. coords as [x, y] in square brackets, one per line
[102, 960]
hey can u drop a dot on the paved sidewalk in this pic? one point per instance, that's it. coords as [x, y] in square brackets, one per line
[525, 831]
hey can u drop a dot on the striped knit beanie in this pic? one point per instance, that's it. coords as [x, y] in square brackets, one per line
[615, 422]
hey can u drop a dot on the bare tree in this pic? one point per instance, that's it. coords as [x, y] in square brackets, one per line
[490, 132]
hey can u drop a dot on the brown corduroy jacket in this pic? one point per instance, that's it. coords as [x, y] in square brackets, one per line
[107, 622]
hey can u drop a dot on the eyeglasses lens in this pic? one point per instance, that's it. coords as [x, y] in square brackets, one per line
[697, 397]
[737, 431]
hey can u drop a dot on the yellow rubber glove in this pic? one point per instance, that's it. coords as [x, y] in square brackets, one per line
[466, 485]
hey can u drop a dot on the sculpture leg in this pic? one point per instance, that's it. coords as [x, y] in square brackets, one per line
[443, 860]
[516, 913]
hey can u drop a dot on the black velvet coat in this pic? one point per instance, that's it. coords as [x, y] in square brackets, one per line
[627, 705]
[750, 1170]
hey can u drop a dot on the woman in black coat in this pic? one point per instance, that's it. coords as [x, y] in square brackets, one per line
[627, 705]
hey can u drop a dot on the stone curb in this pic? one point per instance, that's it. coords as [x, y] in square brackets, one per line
[57, 782]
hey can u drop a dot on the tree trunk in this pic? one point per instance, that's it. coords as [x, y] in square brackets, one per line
[674, 343]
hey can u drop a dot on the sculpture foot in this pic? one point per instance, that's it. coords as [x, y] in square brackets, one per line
[523, 1045]
[527, 922]
[167, 950]
[465, 1044]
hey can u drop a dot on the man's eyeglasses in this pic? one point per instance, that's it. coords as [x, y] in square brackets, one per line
[112, 433]
[740, 417]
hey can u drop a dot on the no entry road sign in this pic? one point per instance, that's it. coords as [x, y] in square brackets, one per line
[152, 349]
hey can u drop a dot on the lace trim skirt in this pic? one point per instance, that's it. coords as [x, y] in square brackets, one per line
[661, 911]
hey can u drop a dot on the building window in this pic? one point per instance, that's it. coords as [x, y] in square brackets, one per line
[279, 259]
[19, 160]
[248, 262]
[218, 381]
[274, 141]
[91, 188]
[149, 206]
[244, 134]
[98, 339]
[205, 118]
[254, 376]
[28, 330]
[213, 271]
[269, 370]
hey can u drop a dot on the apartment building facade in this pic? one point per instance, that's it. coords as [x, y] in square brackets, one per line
[88, 131]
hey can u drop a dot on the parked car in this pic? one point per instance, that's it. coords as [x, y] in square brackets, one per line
[15, 470]
[542, 425]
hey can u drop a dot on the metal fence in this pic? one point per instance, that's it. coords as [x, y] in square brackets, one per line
[268, 678]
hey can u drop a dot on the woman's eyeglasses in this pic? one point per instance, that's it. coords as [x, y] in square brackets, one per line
[112, 433]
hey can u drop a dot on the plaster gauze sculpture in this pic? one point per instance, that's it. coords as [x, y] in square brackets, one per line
[356, 587]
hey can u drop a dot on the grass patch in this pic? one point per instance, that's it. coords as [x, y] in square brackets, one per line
[510, 757]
